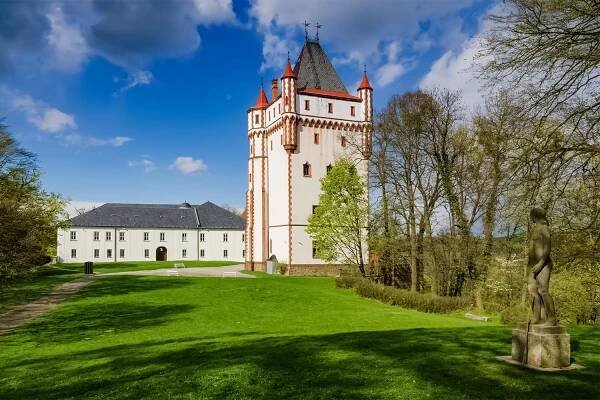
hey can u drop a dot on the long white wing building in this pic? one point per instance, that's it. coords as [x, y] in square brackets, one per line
[149, 232]
[310, 121]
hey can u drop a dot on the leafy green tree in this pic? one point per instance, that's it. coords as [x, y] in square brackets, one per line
[338, 225]
[29, 216]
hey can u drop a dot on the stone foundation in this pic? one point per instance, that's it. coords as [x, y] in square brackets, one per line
[255, 266]
[543, 347]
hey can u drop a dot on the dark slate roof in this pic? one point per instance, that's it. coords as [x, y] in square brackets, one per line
[182, 216]
[212, 216]
[314, 70]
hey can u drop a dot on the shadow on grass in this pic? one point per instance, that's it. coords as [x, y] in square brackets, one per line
[411, 364]
[106, 286]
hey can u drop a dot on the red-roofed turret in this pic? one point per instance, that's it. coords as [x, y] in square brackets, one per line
[289, 72]
[261, 101]
[365, 84]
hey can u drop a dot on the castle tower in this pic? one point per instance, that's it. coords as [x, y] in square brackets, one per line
[294, 139]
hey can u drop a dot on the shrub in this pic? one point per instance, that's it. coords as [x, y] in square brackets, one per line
[515, 314]
[573, 301]
[281, 268]
[426, 302]
[347, 281]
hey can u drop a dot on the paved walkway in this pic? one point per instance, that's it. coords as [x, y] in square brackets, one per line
[232, 271]
[20, 315]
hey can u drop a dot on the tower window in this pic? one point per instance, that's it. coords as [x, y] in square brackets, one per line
[256, 119]
[271, 145]
[287, 100]
[352, 111]
[330, 107]
[316, 138]
[306, 105]
[306, 169]
[343, 141]
[279, 108]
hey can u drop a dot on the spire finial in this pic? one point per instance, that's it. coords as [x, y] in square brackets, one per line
[318, 26]
[365, 68]
[288, 56]
[306, 25]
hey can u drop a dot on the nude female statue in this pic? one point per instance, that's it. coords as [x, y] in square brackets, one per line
[541, 269]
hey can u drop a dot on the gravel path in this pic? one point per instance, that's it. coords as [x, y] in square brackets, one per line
[232, 271]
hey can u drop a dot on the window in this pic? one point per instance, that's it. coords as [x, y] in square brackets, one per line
[270, 245]
[306, 169]
[96, 253]
[121, 236]
[184, 237]
[243, 237]
[329, 168]
[306, 105]
[271, 143]
[108, 236]
[225, 253]
[249, 177]
[316, 138]
[73, 235]
[146, 236]
[225, 237]
[122, 253]
[244, 253]
[343, 141]
[162, 236]
[330, 108]
[314, 251]
[108, 253]
[314, 209]
[202, 237]
[146, 253]
[73, 253]
[256, 119]
[184, 253]
[279, 108]
[96, 236]
[287, 100]
[201, 252]
[352, 111]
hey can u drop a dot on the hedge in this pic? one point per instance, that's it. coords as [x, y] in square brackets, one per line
[426, 302]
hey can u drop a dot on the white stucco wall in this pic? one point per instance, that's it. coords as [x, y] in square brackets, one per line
[134, 244]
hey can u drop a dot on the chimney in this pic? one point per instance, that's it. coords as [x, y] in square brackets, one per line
[274, 89]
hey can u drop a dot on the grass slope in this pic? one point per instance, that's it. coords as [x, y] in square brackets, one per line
[277, 338]
[33, 286]
[146, 265]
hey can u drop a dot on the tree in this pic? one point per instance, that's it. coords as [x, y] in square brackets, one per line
[29, 216]
[338, 225]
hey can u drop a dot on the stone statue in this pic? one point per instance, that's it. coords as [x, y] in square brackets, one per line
[543, 311]
[540, 343]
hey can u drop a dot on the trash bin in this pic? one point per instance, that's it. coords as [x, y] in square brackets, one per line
[88, 267]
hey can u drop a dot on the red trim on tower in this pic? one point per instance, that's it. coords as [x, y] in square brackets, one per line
[330, 93]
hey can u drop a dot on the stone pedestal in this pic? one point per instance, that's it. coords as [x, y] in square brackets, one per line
[544, 346]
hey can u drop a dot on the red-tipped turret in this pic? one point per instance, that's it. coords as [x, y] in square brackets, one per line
[289, 72]
[364, 84]
[261, 101]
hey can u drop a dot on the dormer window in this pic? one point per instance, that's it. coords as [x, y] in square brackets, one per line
[330, 108]
[306, 169]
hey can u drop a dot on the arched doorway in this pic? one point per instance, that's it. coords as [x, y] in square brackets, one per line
[161, 254]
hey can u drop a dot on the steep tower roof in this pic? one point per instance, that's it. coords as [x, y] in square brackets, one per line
[288, 73]
[365, 84]
[314, 70]
[261, 101]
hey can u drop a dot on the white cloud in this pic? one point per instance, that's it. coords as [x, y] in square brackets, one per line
[66, 41]
[454, 70]
[45, 118]
[214, 11]
[188, 166]
[393, 68]
[116, 141]
[144, 163]
[358, 32]
[137, 78]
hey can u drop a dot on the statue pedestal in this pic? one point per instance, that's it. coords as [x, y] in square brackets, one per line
[544, 346]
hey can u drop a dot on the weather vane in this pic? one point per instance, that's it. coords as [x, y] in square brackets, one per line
[306, 25]
[318, 26]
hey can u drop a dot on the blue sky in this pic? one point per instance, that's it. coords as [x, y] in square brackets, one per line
[146, 101]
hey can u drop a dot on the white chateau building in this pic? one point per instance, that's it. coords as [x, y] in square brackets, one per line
[294, 138]
[153, 232]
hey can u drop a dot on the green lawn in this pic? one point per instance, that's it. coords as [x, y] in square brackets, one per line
[33, 286]
[146, 265]
[129, 337]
